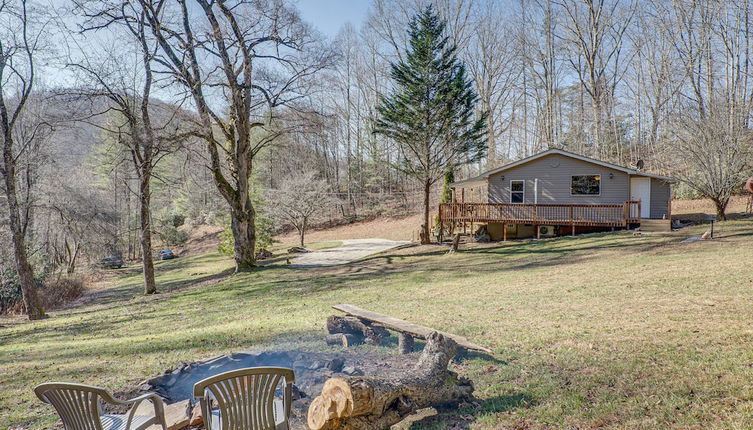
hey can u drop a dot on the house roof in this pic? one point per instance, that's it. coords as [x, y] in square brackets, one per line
[627, 170]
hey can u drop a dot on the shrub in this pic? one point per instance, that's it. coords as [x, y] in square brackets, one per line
[225, 247]
[57, 292]
[11, 300]
[171, 236]
[176, 219]
[52, 292]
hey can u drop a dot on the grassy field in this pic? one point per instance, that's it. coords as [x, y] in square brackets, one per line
[599, 331]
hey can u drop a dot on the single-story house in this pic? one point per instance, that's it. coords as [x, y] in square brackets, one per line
[558, 192]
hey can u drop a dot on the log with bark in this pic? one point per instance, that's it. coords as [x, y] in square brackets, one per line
[369, 403]
[372, 334]
[343, 339]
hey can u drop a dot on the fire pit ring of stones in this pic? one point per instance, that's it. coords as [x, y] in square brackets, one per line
[312, 369]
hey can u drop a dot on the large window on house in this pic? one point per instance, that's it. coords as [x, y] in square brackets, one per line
[517, 191]
[585, 185]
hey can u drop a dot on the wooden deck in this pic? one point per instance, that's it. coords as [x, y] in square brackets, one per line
[601, 215]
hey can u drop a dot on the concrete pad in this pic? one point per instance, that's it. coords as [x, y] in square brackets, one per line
[350, 251]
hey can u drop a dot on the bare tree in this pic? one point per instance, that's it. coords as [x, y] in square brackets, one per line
[130, 97]
[713, 158]
[81, 221]
[302, 200]
[596, 32]
[239, 61]
[654, 81]
[541, 58]
[19, 43]
[493, 63]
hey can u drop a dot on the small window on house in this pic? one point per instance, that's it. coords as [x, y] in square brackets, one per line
[517, 191]
[585, 185]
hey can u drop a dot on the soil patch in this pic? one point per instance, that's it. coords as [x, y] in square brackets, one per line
[385, 228]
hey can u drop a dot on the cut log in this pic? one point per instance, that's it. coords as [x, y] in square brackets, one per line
[403, 326]
[355, 326]
[367, 403]
[343, 339]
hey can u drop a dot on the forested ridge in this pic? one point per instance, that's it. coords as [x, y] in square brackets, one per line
[124, 122]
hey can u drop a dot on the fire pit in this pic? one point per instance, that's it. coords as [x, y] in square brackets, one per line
[312, 369]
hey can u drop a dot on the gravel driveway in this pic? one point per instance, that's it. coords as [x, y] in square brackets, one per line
[351, 250]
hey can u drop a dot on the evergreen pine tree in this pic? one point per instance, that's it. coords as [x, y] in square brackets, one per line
[430, 114]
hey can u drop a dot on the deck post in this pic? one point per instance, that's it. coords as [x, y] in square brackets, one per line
[572, 222]
[639, 211]
[441, 225]
[504, 232]
[538, 231]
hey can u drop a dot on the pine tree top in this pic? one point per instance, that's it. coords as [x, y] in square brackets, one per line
[431, 112]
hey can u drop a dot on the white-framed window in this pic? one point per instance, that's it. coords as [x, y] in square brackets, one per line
[585, 185]
[517, 191]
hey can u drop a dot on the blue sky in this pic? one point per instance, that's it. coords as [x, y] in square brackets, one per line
[329, 15]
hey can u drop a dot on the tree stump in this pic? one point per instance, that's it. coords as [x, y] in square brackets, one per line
[455, 243]
[373, 335]
[368, 403]
[404, 343]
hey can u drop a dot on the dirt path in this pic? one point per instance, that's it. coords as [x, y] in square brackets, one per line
[351, 250]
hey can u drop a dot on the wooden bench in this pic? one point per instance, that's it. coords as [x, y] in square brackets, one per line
[406, 330]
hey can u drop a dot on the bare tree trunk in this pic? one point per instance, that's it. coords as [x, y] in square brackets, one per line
[302, 235]
[721, 208]
[145, 197]
[425, 236]
[23, 267]
[244, 233]
[74, 255]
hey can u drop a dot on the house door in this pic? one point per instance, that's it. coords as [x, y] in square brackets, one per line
[640, 189]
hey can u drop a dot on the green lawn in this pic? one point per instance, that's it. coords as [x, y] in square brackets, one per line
[600, 331]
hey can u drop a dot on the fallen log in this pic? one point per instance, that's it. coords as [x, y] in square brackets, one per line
[354, 326]
[368, 403]
[343, 339]
[402, 326]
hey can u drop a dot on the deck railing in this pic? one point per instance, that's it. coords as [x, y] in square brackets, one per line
[607, 215]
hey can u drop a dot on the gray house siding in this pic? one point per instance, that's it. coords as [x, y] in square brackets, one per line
[554, 174]
[660, 196]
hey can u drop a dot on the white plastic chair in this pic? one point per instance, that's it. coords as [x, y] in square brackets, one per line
[255, 398]
[80, 407]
